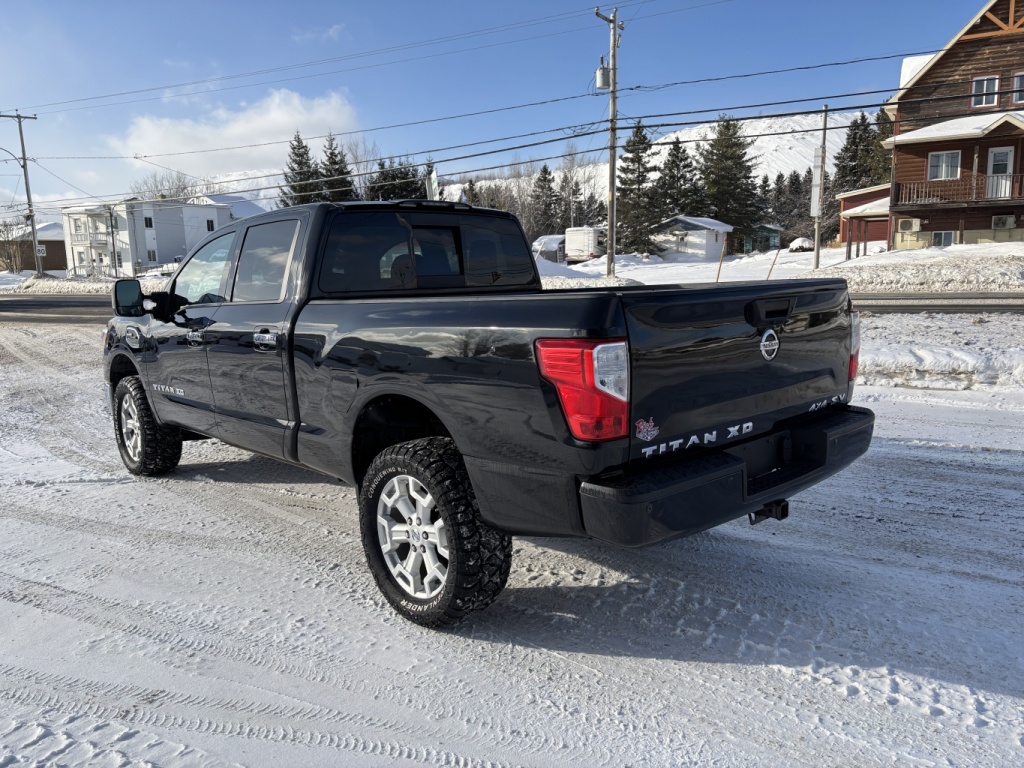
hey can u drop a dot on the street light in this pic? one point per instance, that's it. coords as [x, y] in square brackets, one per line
[23, 163]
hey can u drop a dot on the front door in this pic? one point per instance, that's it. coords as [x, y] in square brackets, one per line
[248, 342]
[179, 377]
[1000, 173]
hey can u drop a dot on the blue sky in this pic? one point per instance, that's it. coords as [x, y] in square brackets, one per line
[382, 75]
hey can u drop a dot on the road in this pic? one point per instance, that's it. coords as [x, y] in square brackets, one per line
[940, 302]
[54, 308]
[224, 614]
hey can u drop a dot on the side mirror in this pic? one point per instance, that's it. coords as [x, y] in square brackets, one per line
[127, 299]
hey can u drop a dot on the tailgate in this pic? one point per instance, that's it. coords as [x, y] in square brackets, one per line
[716, 364]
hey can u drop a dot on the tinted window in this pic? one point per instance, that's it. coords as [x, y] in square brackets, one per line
[203, 280]
[495, 252]
[263, 262]
[366, 252]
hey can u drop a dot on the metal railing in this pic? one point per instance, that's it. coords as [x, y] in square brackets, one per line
[970, 187]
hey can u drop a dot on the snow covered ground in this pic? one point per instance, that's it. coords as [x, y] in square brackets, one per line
[223, 615]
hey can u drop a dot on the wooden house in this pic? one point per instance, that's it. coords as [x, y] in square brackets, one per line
[958, 143]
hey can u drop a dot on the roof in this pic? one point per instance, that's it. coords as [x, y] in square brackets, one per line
[51, 230]
[774, 227]
[869, 210]
[692, 224]
[912, 81]
[862, 191]
[240, 206]
[972, 127]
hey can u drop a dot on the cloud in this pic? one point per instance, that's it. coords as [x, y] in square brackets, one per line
[274, 118]
[317, 34]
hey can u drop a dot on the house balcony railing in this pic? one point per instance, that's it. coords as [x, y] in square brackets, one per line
[969, 188]
[84, 238]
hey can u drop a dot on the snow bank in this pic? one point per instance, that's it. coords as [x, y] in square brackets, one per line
[51, 284]
[559, 277]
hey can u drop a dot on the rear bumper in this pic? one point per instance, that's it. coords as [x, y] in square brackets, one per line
[682, 499]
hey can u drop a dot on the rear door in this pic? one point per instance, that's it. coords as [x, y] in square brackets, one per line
[248, 340]
[712, 365]
[179, 380]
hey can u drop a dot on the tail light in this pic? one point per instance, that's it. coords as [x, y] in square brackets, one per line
[592, 381]
[854, 347]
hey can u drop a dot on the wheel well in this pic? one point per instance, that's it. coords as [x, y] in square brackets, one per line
[121, 368]
[387, 421]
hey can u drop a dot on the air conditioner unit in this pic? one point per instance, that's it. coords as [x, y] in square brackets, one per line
[910, 225]
[1004, 222]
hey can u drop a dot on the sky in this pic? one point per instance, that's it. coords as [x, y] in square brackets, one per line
[123, 89]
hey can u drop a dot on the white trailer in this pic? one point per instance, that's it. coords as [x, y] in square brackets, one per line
[582, 243]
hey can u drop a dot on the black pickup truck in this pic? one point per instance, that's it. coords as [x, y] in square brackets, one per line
[408, 349]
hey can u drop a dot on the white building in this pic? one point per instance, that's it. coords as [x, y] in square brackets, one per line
[696, 235]
[127, 237]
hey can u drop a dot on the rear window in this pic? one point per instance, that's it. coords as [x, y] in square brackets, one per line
[389, 251]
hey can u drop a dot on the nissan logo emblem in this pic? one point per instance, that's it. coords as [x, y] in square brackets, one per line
[769, 344]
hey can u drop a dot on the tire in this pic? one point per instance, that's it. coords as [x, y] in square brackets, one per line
[418, 494]
[146, 447]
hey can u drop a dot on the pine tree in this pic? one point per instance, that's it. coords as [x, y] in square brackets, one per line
[337, 176]
[569, 202]
[728, 171]
[471, 193]
[881, 158]
[593, 212]
[302, 177]
[545, 203]
[396, 180]
[855, 161]
[636, 214]
[679, 189]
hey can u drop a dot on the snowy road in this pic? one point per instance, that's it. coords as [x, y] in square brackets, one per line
[224, 615]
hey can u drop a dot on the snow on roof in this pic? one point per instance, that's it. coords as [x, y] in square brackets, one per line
[874, 208]
[912, 65]
[240, 207]
[862, 191]
[972, 127]
[693, 223]
[51, 230]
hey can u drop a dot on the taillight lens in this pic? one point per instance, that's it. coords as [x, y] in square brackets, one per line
[592, 381]
[854, 346]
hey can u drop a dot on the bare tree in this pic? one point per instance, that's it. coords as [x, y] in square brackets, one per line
[363, 157]
[11, 246]
[174, 185]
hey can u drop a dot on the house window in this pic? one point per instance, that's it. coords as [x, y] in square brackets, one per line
[120, 263]
[148, 221]
[943, 165]
[1018, 88]
[942, 239]
[984, 92]
[78, 226]
[151, 255]
[81, 257]
[209, 225]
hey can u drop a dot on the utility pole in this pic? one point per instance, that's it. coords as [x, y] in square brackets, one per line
[28, 190]
[615, 26]
[819, 193]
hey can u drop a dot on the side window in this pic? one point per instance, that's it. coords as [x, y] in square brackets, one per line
[263, 261]
[203, 280]
[495, 252]
[367, 252]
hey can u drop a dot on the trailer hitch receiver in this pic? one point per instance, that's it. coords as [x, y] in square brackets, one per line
[774, 510]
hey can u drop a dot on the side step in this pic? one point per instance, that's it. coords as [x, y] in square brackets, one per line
[774, 510]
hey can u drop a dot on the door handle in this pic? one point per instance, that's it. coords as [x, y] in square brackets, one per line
[195, 338]
[264, 340]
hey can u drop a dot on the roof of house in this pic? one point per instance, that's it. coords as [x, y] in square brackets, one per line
[868, 210]
[916, 76]
[972, 127]
[862, 191]
[50, 230]
[692, 224]
[240, 207]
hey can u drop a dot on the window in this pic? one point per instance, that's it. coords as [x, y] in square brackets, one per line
[942, 239]
[263, 262]
[81, 257]
[943, 165]
[113, 222]
[148, 221]
[151, 255]
[1018, 88]
[209, 225]
[78, 226]
[119, 261]
[203, 280]
[984, 92]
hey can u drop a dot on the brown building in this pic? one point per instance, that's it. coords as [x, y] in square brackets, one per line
[863, 217]
[959, 137]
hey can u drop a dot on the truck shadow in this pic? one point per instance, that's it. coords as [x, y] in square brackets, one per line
[725, 597]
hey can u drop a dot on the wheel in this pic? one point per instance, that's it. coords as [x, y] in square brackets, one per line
[430, 553]
[146, 447]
